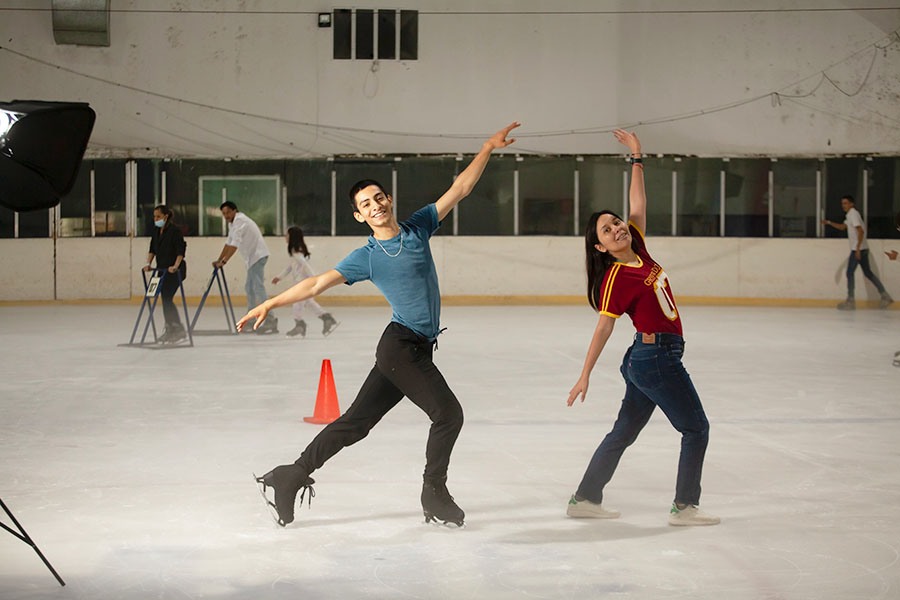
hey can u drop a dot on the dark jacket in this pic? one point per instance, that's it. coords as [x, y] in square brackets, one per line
[166, 244]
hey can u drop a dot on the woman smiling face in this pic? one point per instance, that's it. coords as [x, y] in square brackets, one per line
[613, 235]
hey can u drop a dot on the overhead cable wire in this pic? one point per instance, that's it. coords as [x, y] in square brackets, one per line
[848, 118]
[893, 38]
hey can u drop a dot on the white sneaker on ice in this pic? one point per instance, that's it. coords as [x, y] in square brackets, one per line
[691, 515]
[588, 510]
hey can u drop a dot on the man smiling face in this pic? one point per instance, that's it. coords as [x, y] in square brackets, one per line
[374, 207]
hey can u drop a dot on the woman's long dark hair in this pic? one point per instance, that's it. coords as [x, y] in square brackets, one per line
[296, 243]
[596, 262]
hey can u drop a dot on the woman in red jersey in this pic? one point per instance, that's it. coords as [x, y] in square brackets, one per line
[623, 278]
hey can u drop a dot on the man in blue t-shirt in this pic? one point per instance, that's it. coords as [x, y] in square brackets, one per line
[397, 259]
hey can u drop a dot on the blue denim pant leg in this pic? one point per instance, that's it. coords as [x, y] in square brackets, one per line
[633, 416]
[255, 285]
[657, 371]
[654, 376]
[851, 268]
[866, 269]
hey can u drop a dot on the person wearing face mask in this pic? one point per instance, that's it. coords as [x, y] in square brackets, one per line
[167, 245]
[624, 278]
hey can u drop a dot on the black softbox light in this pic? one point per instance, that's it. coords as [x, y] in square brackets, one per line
[41, 147]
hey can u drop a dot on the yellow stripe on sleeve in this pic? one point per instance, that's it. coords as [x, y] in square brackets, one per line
[609, 284]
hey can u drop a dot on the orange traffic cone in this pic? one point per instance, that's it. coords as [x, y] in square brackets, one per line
[327, 409]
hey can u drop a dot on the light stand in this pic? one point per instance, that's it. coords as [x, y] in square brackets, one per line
[23, 535]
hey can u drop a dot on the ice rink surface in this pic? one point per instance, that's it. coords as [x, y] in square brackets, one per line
[131, 468]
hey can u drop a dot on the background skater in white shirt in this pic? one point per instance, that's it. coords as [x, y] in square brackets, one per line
[300, 268]
[859, 253]
[244, 236]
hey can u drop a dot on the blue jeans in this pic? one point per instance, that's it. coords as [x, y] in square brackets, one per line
[654, 376]
[255, 285]
[867, 271]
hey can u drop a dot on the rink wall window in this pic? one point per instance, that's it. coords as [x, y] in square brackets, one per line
[421, 181]
[795, 197]
[490, 208]
[517, 195]
[546, 199]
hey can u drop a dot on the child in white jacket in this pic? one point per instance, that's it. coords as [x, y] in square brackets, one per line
[300, 269]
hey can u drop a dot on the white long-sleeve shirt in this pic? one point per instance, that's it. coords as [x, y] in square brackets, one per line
[299, 267]
[244, 234]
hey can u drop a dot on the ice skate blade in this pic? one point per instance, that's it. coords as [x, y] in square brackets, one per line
[262, 485]
[437, 522]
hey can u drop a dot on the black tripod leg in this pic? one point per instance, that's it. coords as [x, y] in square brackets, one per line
[227, 298]
[27, 539]
[203, 299]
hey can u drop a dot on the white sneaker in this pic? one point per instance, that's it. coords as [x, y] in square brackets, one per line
[588, 510]
[691, 515]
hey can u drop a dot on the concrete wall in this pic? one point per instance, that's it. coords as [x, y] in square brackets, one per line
[26, 269]
[699, 268]
[92, 268]
[256, 78]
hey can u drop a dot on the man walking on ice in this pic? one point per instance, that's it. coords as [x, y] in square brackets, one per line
[397, 259]
[244, 235]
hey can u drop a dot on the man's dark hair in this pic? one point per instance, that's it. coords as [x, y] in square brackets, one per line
[361, 185]
[849, 198]
[229, 204]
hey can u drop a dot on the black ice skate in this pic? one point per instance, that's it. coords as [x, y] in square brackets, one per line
[286, 480]
[173, 335]
[438, 505]
[299, 329]
[270, 325]
[328, 324]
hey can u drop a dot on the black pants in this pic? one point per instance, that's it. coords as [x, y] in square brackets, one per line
[167, 291]
[403, 367]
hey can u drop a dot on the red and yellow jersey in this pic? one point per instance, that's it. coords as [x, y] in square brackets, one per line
[642, 291]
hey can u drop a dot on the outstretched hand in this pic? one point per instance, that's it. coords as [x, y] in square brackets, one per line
[580, 389]
[629, 139]
[259, 313]
[892, 254]
[498, 140]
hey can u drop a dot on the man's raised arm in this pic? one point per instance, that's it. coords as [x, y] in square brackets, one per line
[466, 180]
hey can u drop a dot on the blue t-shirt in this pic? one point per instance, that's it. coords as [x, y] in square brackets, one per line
[405, 273]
